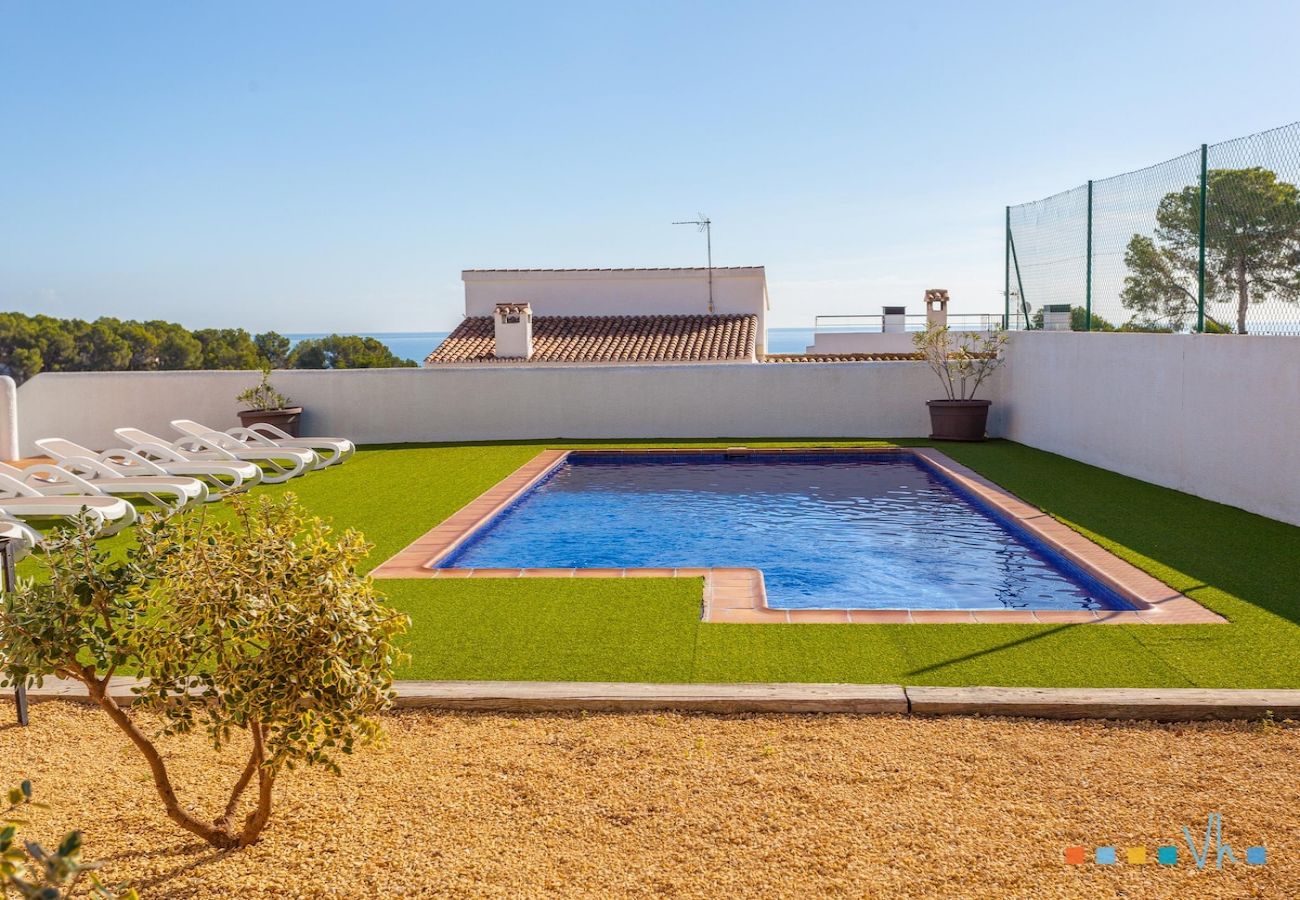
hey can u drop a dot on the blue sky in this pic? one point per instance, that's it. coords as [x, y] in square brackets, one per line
[320, 166]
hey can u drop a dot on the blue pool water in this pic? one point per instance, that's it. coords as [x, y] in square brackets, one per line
[856, 531]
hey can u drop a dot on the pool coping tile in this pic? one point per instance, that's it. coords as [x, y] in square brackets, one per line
[738, 594]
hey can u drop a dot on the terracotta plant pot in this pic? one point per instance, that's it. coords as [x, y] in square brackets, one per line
[286, 418]
[958, 420]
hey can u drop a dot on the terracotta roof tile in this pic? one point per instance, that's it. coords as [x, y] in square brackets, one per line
[838, 357]
[609, 339]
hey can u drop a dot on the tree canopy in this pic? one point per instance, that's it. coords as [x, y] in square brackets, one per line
[256, 628]
[30, 345]
[1252, 249]
[338, 351]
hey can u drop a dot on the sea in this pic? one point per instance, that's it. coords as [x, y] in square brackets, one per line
[416, 345]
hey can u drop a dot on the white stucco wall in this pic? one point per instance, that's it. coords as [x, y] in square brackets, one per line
[881, 399]
[1217, 416]
[620, 292]
[862, 342]
[1214, 415]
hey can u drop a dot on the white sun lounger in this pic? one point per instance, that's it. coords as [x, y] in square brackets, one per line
[277, 465]
[55, 480]
[109, 514]
[218, 476]
[329, 451]
[24, 535]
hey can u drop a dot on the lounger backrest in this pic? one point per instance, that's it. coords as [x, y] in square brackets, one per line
[192, 428]
[136, 436]
[62, 448]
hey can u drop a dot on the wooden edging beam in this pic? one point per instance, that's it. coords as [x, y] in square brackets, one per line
[1152, 704]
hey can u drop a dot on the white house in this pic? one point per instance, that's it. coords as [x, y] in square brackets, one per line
[610, 316]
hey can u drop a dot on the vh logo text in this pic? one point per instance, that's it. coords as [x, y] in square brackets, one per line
[1212, 851]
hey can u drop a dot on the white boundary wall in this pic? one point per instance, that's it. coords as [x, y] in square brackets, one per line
[1213, 415]
[885, 399]
[1217, 416]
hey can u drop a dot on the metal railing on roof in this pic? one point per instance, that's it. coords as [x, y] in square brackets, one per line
[876, 323]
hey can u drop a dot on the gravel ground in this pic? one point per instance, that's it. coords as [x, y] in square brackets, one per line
[626, 805]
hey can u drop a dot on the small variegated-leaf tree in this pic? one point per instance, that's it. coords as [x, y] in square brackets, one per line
[961, 359]
[259, 625]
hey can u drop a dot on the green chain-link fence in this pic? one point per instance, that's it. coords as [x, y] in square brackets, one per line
[1208, 241]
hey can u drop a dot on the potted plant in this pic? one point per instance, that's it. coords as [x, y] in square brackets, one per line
[265, 404]
[962, 360]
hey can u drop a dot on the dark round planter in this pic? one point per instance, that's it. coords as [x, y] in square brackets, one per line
[958, 420]
[286, 418]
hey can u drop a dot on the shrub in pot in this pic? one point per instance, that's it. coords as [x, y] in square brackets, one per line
[962, 360]
[264, 403]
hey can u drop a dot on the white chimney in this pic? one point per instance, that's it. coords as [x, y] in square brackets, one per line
[894, 319]
[514, 330]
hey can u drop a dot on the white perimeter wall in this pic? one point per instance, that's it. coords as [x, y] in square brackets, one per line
[885, 399]
[1213, 415]
[862, 342]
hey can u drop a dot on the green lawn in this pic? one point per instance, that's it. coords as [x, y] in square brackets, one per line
[1241, 565]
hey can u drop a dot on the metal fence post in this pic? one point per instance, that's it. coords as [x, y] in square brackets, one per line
[9, 577]
[1200, 266]
[1020, 283]
[1006, 272]
[1087, 297]
[1087, 294]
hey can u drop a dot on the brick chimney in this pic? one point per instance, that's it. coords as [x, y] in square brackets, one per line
[936, 307]
[514, 330]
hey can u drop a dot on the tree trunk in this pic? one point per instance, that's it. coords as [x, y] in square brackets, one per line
[217, 837]
[1243, 295]
[258, 818]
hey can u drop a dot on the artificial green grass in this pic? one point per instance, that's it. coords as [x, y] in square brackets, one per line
[1241, 565]
[551, 629]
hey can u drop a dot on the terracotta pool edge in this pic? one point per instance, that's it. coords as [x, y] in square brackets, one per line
[737, 595]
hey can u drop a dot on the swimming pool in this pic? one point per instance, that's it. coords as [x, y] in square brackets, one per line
[843, 531]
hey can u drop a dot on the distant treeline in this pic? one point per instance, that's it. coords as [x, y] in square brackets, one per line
[30, 345]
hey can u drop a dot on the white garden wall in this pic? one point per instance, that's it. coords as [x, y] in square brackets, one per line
[501, 402]
[1214, 415]
[1217, 416]
[862, 342]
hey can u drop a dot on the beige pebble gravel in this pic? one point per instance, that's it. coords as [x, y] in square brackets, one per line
[691, 805]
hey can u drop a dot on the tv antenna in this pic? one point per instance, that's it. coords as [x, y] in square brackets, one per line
[706, 225]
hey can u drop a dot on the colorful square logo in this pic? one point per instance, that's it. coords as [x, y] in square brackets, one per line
[1209, 850]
